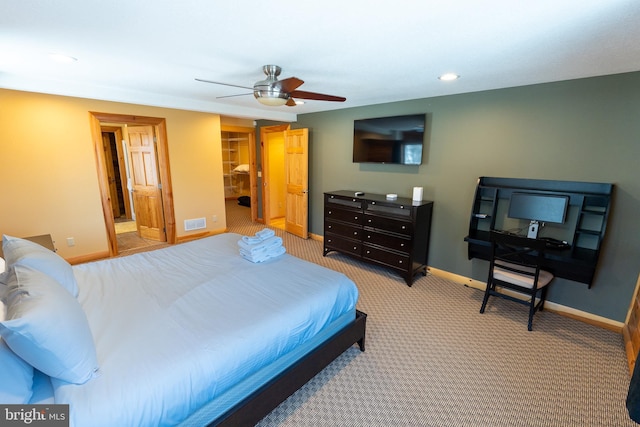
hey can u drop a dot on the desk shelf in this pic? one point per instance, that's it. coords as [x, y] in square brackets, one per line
[589, 206]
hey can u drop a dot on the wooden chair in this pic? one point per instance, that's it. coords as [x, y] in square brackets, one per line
[515, 264]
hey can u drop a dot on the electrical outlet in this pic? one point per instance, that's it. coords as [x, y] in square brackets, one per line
[71, 241]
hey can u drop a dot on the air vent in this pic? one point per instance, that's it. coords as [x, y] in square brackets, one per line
[195, 224]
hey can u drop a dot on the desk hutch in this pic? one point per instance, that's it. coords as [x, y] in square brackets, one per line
[584, 228]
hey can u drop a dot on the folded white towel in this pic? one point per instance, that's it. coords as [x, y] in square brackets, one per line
[259, 236]
[251, 240]
[271, 242]
[263, 256]
[265, 233]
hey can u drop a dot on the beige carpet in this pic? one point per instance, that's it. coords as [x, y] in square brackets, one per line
[433, 360]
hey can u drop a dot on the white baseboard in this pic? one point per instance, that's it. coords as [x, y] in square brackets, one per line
[584, 316]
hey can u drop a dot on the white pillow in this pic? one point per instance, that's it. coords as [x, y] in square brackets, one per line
[17, 377]
[2, 264]
[40, 258]
[47, 328]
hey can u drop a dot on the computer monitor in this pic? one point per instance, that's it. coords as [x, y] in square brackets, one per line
[538, 208]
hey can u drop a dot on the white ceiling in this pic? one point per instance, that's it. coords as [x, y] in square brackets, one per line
[369, 51]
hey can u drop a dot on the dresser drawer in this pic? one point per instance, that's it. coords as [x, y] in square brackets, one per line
[342, 229]
[388, 224]
[391, 259]
[349, 202]
[352, 217]
[332, 241]
[402, 244]
[389, 209]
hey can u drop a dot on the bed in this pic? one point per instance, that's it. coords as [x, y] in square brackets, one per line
[189, 335]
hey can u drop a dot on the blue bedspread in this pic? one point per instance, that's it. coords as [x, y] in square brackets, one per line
[177, 327]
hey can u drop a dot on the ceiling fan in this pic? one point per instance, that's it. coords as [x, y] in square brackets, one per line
[274, 92]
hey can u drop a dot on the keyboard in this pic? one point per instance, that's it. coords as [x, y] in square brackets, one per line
[552, 243]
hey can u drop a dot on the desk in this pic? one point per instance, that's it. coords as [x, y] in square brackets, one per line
[573, 263]
[584, 228]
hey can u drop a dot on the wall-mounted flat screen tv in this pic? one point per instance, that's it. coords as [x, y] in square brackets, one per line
[392, 140]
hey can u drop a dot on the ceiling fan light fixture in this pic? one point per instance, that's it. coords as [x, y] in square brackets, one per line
[272, 98]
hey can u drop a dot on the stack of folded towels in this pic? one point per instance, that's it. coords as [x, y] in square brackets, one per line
[261, 247]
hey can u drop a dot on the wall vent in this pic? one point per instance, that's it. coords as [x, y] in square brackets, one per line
[195, 224]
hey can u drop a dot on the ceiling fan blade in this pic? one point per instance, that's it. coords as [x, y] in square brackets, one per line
[231, 96]
[225, 84]
[316, 96]
[288, 85]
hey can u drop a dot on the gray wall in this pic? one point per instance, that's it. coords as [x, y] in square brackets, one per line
[579, 130]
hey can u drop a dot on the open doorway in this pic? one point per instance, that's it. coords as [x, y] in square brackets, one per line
[133, 171]
[273, 175]
[240, 172]
[117, 173]
[285, 174]
[115, 144]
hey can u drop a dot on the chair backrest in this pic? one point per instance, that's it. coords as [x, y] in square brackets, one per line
[518, 254]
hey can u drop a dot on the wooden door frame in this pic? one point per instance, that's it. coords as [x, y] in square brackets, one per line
[162, 148]
[265, 166]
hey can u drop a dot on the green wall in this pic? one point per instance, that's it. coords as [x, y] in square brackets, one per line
[579, 130]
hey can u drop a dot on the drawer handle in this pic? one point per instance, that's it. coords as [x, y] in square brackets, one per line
[329, 226]
[402, 245]
[400, 262]
[368, 237]
[331, 196]
[373, 203]
[355, 233]
[369, 221]
[329, 240]
[368, 252]
[355, 247]
[401, 207]
[330, 212]
[355, 217]
[354, 200]
[404, 226]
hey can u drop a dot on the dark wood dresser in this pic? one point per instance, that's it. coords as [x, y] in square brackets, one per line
[392, 233]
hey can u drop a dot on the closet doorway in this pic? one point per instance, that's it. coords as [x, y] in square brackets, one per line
[239, 167]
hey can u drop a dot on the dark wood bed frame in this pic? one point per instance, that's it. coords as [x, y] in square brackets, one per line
[264, 400]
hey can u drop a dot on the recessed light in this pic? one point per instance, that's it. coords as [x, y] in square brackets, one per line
[59, 57]
[448, 77]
